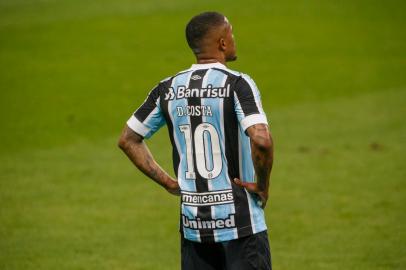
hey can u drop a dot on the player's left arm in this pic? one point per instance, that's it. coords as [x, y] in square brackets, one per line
[137, 151]
[262, 156]
[253, 121]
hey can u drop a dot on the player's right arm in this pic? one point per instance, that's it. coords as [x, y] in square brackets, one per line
[146, 120]
[137, 151]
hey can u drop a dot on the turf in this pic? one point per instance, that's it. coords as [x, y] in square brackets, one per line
[332, 80]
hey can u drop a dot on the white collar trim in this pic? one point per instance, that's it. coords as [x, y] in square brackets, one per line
[208, 65]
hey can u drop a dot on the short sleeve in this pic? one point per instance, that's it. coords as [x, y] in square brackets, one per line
[148, 118]
[247, 103]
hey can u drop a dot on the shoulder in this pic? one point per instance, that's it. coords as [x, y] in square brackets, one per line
[247, 79]
[244, 82]
[166, 82]
[159, 87]
[240, 77]
[230, 72]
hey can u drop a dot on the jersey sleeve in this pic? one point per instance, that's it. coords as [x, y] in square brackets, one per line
[247, 103]
[148, 118]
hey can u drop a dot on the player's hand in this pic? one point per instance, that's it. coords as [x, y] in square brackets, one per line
[253, 188]
[173, 187]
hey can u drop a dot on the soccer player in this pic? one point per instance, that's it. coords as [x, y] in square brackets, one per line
[222, 152]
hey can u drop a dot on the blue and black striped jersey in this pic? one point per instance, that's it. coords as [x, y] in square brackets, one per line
[207, 109]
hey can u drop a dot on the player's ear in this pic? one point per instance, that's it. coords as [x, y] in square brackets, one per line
[222, 44]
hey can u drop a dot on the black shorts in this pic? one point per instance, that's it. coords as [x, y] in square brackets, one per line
[247, 253]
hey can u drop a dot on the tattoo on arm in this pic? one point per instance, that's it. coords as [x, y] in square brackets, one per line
[262, 154]
[134, 147]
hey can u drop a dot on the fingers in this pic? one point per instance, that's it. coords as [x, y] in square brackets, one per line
[250, 187]
[242, 184]
[174, 191]
[173, 187]
[239, 182]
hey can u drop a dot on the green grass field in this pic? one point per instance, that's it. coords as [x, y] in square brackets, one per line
[332, 78]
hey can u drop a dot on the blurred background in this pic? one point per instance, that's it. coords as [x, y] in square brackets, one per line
[333, 84]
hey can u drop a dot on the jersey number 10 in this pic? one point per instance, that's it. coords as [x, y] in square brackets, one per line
[200, 151]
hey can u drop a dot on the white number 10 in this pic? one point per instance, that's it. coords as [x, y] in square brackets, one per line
[200, 151]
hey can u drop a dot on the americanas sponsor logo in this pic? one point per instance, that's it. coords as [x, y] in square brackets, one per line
[207, 198]
[198, 223]
[208, 92]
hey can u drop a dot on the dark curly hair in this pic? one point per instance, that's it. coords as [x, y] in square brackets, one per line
[199, 26]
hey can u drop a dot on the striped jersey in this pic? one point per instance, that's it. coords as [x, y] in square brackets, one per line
[207, 110]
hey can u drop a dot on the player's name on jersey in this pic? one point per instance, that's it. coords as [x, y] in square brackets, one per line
[198, 223]
[194, 110]
[208, 92]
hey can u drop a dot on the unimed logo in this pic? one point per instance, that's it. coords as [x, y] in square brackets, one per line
[198, 223]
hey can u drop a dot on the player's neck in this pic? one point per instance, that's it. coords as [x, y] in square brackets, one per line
[206, 59]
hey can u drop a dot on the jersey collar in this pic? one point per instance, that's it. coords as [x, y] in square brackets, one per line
[208, 65]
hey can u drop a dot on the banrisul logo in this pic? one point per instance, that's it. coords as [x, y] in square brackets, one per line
[207, 92]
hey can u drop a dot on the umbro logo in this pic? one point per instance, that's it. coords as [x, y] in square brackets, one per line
[196, 77]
